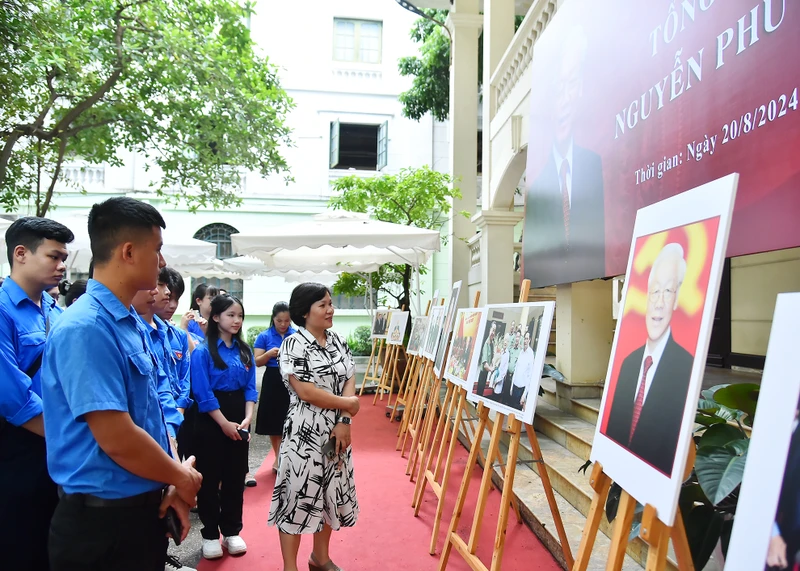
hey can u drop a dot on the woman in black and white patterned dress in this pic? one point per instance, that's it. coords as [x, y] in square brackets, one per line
[315, 494]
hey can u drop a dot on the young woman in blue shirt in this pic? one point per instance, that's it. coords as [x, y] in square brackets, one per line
[196, 322]
[223, 373]
[274, 396]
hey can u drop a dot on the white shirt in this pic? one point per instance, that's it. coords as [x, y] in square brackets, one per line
[523, 373]
[560, 159]
[656, 353]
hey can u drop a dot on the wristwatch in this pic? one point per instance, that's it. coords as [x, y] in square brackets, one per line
[345, 420]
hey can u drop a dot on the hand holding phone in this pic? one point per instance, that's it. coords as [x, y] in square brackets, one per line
[174, 526]
[329, 450]
[245, 434]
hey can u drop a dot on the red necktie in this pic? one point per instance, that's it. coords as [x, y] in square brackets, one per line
[637, 407]
[565, 197]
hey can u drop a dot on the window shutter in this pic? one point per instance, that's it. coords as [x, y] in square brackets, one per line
[334, 148]
[383, 145]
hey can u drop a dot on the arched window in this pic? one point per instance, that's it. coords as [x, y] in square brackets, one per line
[220, 234]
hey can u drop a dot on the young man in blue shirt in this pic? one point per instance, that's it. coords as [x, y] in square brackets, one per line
[112, 460]
[37, 249]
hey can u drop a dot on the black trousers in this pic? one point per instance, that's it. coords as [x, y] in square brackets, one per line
[86, 538]
[185, 434]
[28, 498]
[223, 464]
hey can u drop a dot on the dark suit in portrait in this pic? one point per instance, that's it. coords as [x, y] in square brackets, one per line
[550, 258]
[656, 436]
[787, 515]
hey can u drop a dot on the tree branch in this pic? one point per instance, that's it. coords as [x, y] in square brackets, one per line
[62, 148]
[112, 79]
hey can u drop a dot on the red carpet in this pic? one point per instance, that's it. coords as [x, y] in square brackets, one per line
[387, 535]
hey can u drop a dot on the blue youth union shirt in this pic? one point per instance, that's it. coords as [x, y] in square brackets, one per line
[269, 339]
[22, 334]
[179, 361]
[206, 378]
[97, 359]
[195, 330]
[157, 338]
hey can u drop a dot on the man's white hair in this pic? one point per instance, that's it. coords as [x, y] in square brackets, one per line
[672, 252]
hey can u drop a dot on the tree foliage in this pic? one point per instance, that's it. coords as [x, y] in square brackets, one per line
[179, 82]
[430, 88]
[414, 197]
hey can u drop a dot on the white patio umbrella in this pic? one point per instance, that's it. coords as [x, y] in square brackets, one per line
[339, 237]
[4, 224]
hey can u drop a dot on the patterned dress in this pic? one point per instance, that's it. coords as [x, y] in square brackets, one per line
[310, 489]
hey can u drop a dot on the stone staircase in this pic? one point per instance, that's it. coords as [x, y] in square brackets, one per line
[566, 441]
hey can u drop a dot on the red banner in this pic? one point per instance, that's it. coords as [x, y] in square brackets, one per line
[634, 101]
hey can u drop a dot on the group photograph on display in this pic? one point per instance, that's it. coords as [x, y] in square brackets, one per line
[510, 356]
[380, 324]
[397, 327]
[766, 527]
[661, 341]
[432, 335]
[419, 326]
[447, 328]
[631, 103]
[462, 354]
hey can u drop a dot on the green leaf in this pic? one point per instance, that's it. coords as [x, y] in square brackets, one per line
[719, 470]
[742, 396]
[707, 419]
[720, 435]
[703, 528]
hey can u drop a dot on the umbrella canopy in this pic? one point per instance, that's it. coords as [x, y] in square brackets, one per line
[178, 250]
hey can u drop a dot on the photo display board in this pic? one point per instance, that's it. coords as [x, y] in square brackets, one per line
[510, 353]
[659, 352]
[419, 328]
[397, 327]
[447, 328]
[463, 354]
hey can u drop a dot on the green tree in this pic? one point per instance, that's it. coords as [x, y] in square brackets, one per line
[413, 197]
[430, 87]
[179, 82]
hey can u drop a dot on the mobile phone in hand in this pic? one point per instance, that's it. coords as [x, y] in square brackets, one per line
[244, 433]
[174, 526]
[329, 449]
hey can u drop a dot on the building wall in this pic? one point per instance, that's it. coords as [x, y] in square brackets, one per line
[300, 41]
[756, 280]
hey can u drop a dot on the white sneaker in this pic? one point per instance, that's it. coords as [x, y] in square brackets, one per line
[234, 544]
[212, 549]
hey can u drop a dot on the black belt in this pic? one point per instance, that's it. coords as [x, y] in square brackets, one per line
[141, 500]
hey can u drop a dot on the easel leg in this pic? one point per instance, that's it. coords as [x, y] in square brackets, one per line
[369, 367]
[486, 484]
[551, 498]
[483, 414]
[601, 484]
[508, 494]
[439, 435]
[656, 535]
[622, 528]
[681, 544]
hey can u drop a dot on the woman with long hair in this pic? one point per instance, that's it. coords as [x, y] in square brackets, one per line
[314, 491]
[274, 398]
[223, 374]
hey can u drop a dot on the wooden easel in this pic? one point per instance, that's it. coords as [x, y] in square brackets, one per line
[405, 391]
[653, 531]
[389, 375]
[371, 374]
[468, 549]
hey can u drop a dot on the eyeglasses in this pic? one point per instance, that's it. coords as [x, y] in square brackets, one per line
[668, 294]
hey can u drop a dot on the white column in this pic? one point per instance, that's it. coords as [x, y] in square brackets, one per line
[497, 254]
[465, 24]
[498, 32]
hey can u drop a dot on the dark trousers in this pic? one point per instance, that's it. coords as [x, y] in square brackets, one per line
[223, 464]
[516, 397]
[185, 434]
[86, 538]
[482, 376]
[28, 498]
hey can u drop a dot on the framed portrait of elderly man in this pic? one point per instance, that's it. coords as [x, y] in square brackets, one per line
[661, 341]
[510, 357]
[380, 324]
[766, 531]
[419, 326]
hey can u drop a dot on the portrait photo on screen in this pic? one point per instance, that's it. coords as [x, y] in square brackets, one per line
[511, 350]
[661, 341]
[380, 324]
[462, 352]
[397, 327]
[432, 335]
[419, 326]
[447, 328]
[766, 527]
